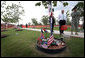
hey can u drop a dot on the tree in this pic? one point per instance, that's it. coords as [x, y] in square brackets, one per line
[45, 20]
[11, 13]
[55, 21]
[29, 23]
[2, 6]
[26, 25]
[68, 19]
[80, 7]
[39, 23]
[21, 25]
[54, 3]
[34, 21]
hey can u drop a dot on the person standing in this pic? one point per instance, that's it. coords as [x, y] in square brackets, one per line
[75, 20]
[52, 22]
[62, 21]
[83, 25]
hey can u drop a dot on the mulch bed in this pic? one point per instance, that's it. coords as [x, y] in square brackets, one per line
[3, 30]
[3, 35]
[19, 30]
[52, 49]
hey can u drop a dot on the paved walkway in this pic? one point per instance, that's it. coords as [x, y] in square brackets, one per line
[66, 33]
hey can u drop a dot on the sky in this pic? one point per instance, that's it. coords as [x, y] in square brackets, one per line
[32, 11]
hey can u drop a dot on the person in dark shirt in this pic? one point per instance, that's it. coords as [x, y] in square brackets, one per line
[52, 22]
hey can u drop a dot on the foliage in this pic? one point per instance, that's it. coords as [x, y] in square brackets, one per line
[29, 23]
[44, 20]
[80, 7]
[11, 13]
[39, 23]
[34, 21]
[46, 3]
[68, 19]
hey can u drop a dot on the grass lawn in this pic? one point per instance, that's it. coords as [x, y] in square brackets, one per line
[57, 28]
[23, 43]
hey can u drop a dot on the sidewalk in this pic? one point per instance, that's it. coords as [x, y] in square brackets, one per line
[66, 33]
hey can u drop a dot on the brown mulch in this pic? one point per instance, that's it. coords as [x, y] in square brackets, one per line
[19, 30]
[3, 30]
[3, 35]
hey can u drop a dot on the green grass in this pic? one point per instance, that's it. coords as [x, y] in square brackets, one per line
[76, 47]
[23, 45]
[57, 28]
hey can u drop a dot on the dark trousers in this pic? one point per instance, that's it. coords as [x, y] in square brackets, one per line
[83, 25]
[61, 22]
[51, 28]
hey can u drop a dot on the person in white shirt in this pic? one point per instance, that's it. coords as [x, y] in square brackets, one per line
[62, 21]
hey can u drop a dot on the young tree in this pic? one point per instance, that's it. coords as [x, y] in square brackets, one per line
[34, 21]
[29, 23]
[39, 23]
[54, 3]
[11, 13]
[44, 20]
[21, 25]
[68, 19]
[80, 7]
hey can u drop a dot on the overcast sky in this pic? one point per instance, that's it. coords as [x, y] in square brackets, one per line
[32, 11]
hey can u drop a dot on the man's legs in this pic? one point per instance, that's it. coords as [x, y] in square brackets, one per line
[60, 24]
[72, 28]
[64, 22]
[76, 29]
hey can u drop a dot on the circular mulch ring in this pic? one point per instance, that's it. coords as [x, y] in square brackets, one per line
[15, 28]
[52, 49]
[3, 30]
[3, 36]
[19, 30]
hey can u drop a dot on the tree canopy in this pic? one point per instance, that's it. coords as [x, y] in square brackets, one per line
[34, 21]
[44, 20]
[54, 3]
[11, 13]
[80, 7]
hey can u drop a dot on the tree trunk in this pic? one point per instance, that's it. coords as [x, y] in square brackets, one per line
[18, 24]
[5, 25]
